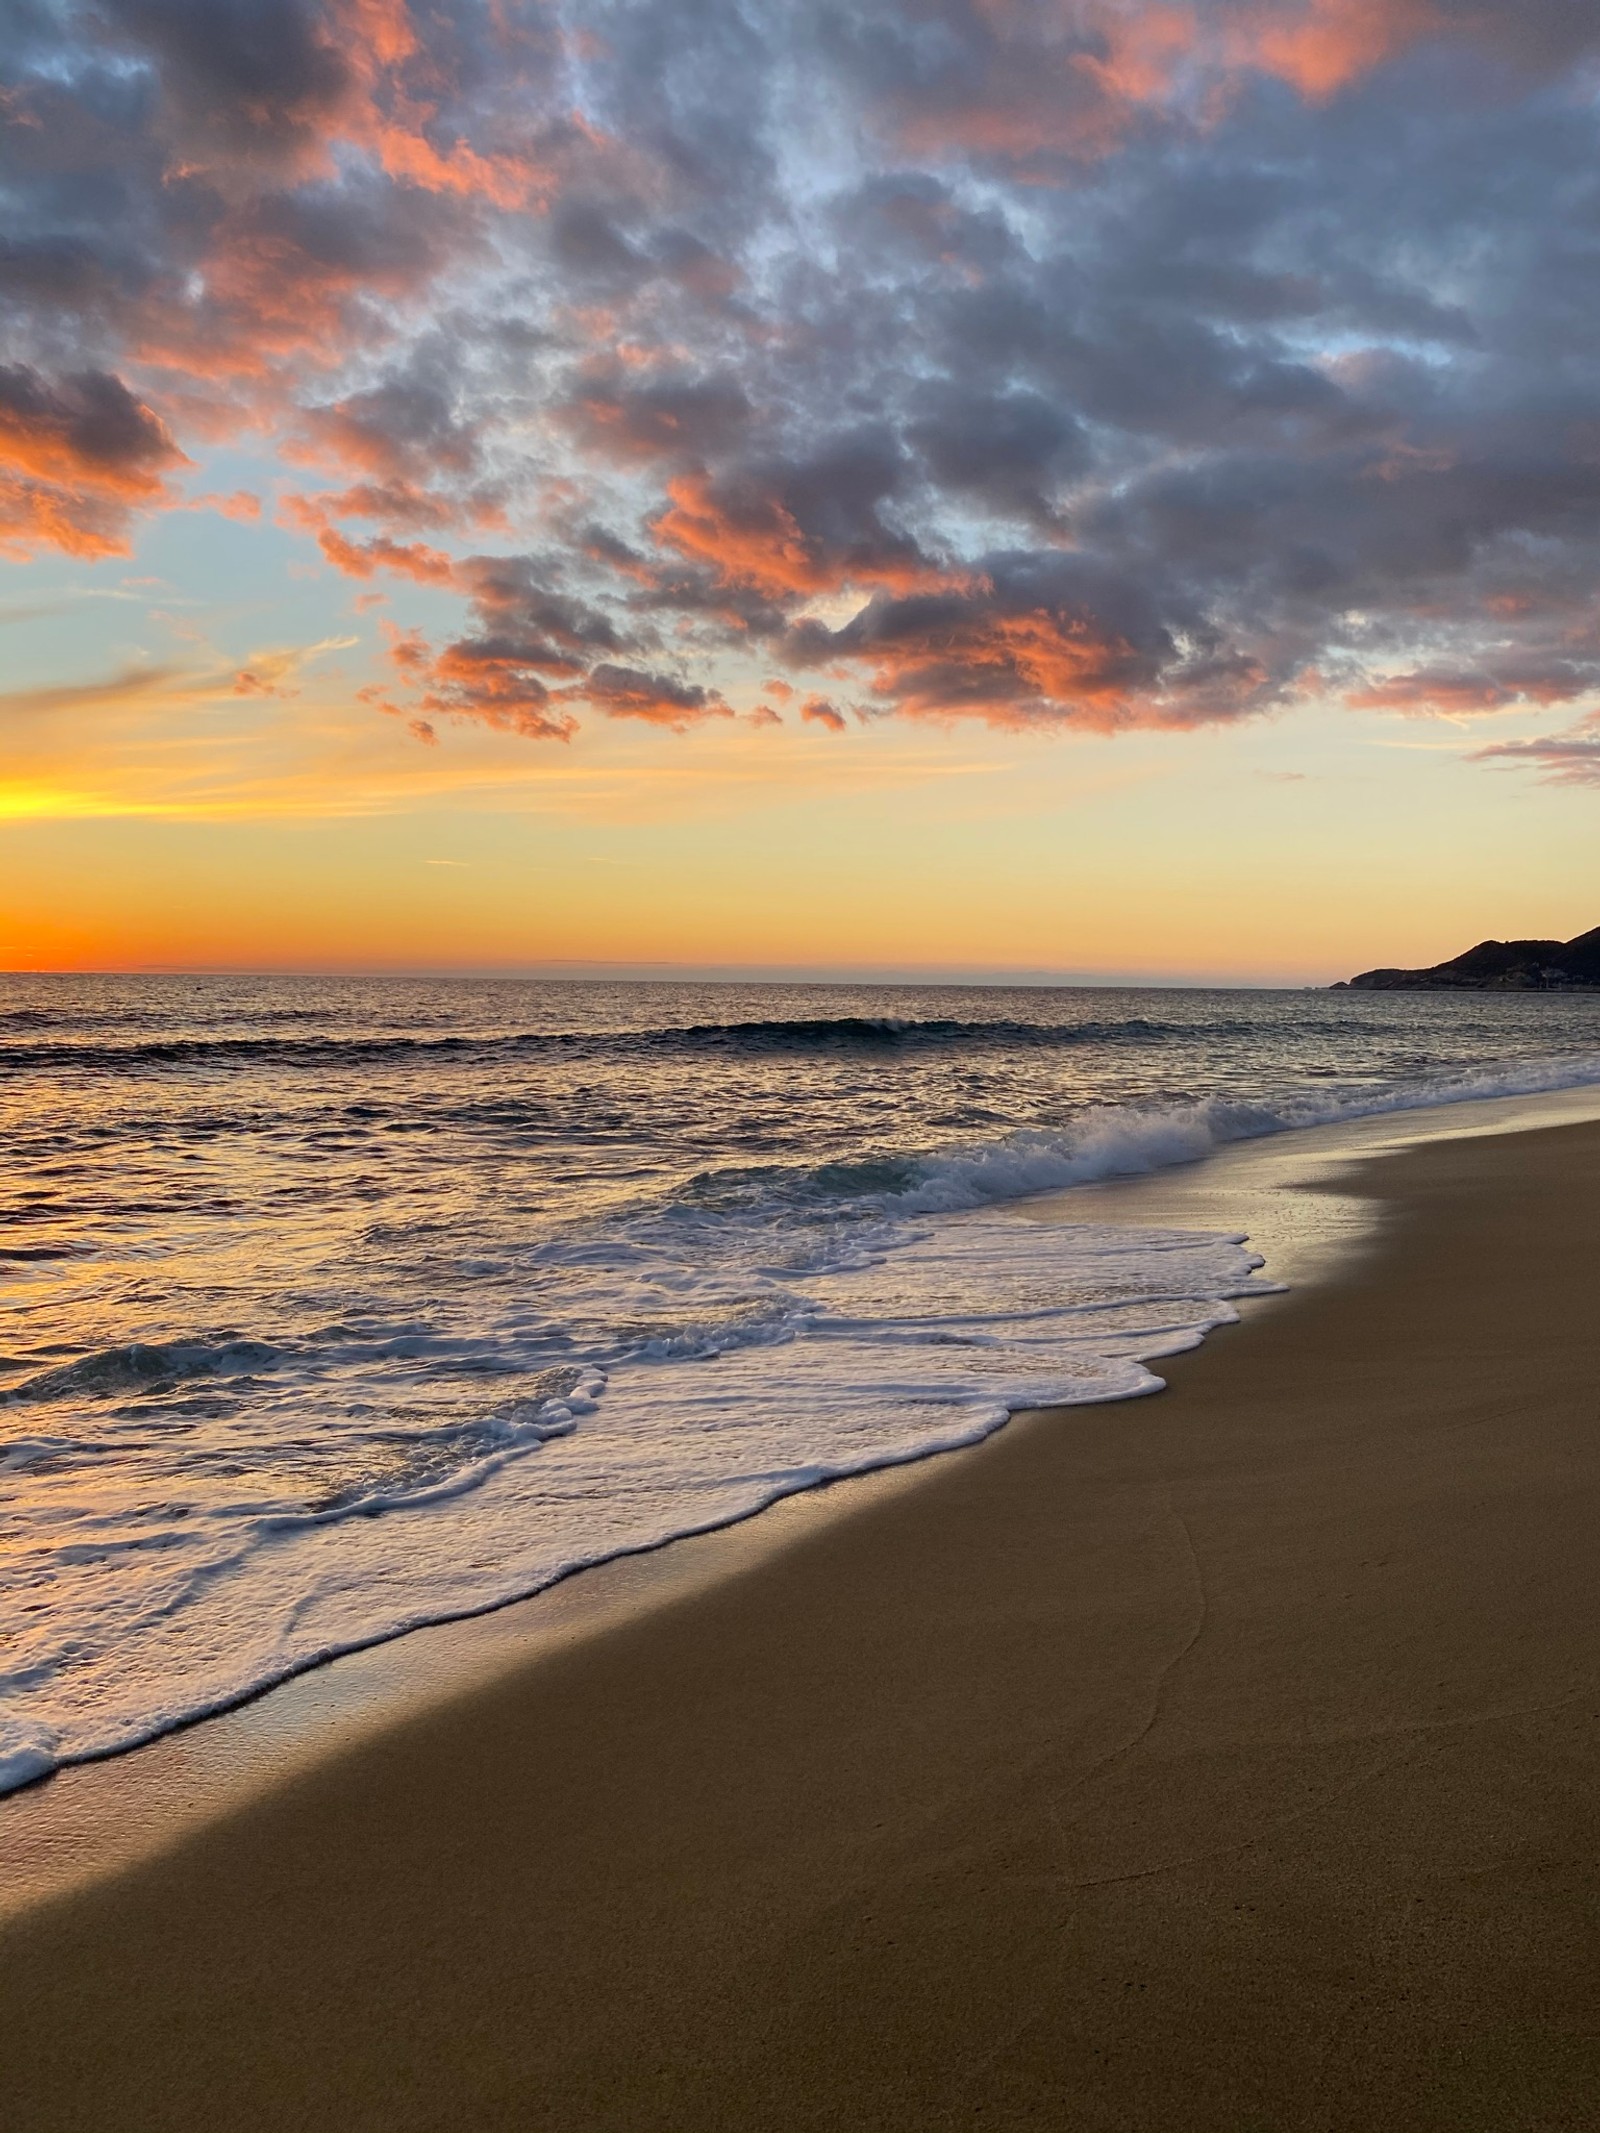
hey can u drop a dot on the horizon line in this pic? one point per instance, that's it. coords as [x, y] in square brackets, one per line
[642, 971]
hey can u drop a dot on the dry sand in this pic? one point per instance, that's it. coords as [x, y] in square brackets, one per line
[1222, 1761]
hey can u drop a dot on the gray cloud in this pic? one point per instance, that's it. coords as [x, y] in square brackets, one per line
[1028, 362]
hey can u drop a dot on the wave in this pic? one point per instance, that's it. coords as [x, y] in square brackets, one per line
[1101, 1141]
[860, 1034]
[822, 1033]
[1129, 1140]
[141, 1367]
[125, 1017]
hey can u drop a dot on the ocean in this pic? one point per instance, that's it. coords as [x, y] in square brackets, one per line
[336, 1306]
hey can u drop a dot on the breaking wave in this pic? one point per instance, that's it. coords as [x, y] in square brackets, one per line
[868, 1034]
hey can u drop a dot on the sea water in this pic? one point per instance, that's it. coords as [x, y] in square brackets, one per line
[332, 1307]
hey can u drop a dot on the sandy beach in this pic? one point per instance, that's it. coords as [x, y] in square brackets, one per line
[1218, 1761]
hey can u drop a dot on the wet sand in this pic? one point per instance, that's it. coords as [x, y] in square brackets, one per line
[1220, 1761]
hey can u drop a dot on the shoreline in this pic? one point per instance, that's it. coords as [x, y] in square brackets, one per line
[1221, 1760]
[100, 1816]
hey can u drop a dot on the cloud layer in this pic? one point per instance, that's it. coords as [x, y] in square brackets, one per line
[1096, 362]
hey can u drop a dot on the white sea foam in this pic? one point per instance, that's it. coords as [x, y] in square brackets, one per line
[1129, 1140]
[923, 1343]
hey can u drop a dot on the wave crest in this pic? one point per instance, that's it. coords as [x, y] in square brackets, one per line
[823, 1033]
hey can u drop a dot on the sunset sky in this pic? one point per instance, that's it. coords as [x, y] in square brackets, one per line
[983, 486]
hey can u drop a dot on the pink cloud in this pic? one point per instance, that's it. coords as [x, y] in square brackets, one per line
[78, 455]
[819, 712]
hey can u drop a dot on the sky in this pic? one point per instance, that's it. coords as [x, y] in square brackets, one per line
[1103, 488]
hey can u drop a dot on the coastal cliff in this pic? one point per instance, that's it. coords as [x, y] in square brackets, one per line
[1497, 966]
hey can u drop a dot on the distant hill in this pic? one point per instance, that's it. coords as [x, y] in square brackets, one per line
[1497, 966]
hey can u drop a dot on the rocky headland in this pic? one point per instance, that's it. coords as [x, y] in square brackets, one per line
[1497, 966]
